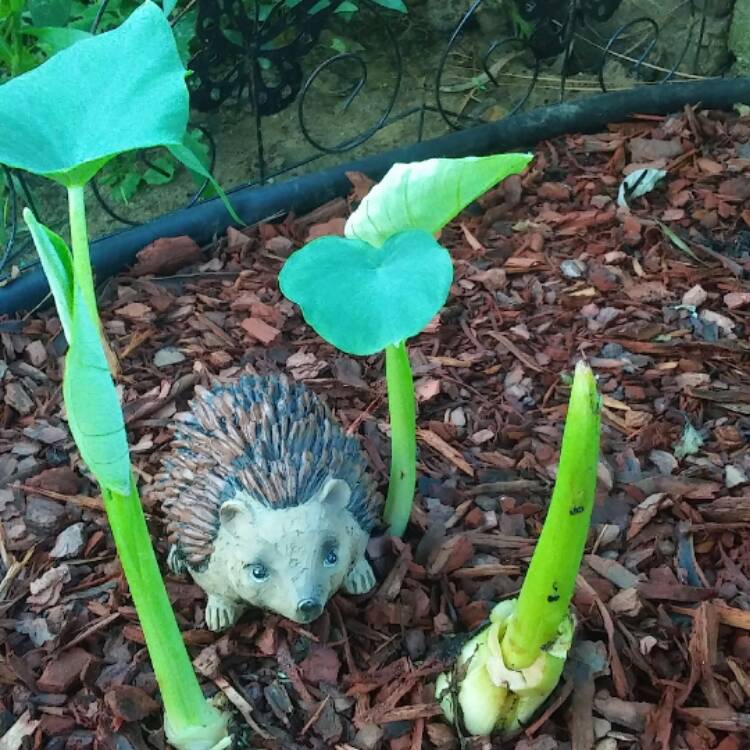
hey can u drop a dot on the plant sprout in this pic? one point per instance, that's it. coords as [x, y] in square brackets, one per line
[105, 95]
[512, 666]
[384, 281]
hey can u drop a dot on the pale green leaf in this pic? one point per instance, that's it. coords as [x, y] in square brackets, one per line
[393, 5]
[93, 407]
[690, 442]
[638, 183]
[678, 242]
[193, 163]
[53, 39]
[49, 12]
[57, 263]
[361, 298]
[427, 194]
[113, 92]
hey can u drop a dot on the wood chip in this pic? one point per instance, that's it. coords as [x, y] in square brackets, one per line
[259, 330]
[447, 451]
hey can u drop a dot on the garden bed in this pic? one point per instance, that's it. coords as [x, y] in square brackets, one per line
[547, 268]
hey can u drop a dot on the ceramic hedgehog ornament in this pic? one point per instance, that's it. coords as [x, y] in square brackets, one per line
[267, 500]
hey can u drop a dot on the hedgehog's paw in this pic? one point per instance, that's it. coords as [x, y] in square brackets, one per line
[360, 578]
[176, 561]
[220, 613]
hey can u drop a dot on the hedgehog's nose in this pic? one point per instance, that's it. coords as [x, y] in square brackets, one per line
[309, 609]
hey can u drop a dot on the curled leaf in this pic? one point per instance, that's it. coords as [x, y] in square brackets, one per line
[427, 194]
[93, 407]
[57, 263]
[638, 183]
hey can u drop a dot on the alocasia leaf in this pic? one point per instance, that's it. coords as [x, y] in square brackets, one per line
[53, 39]
[427, 194]
[49, 12]
[361, 298]
[93, 407]
[113, 92]
[57, 263]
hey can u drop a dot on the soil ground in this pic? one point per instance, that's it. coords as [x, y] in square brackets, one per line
[547, 269]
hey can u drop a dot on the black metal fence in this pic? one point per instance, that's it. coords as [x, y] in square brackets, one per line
[258, 60]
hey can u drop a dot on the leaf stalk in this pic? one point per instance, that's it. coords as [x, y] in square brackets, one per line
[185, 706]
[79, 242]
[402, 408]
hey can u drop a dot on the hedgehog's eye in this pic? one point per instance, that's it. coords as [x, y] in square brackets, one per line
[331, 558]
[258, 571]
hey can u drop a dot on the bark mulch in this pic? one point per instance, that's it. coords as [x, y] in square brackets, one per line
[546, 269]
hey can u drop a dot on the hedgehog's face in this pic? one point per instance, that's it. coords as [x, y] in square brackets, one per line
[291, 560]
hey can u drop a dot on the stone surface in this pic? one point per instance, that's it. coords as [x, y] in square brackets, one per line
[46, 590]
[37, 353]
[69, 542]
[169, 355]
[695, 296]
[45, 432]
[675, 24]
[17, 398]
[368, 738]
[37, 630]
[44, 516]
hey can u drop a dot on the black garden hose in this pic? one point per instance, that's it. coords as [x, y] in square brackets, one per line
[205, 220]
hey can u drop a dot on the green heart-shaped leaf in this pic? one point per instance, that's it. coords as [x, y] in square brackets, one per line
[93, 407]
[361, 298]
[49, 12]
[57, 263]
[53, 39]
[427, 194]
[114, 92]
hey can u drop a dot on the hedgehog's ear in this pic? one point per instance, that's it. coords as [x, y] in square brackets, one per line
[336, 493]
[235, 516]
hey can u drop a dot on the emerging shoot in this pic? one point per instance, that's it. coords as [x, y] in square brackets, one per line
[513, 666]
[386, 279]
[118, 91]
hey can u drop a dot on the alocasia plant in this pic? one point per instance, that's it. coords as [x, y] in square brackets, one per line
[386, 279]
[106, 95]
[512, 666]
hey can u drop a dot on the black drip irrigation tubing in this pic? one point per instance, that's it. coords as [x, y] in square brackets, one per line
[206, 220]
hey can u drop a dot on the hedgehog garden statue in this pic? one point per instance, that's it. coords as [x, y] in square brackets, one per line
[267, 500]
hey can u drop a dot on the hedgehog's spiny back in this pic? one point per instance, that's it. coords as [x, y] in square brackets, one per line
[266, 436]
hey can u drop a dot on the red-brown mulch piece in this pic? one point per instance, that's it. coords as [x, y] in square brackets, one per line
[166, 255]
[550, 268]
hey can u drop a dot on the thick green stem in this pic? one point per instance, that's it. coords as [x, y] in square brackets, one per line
[191, 722]
[548, 587]
[184, 703]
[79, 241]
[402, 410]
